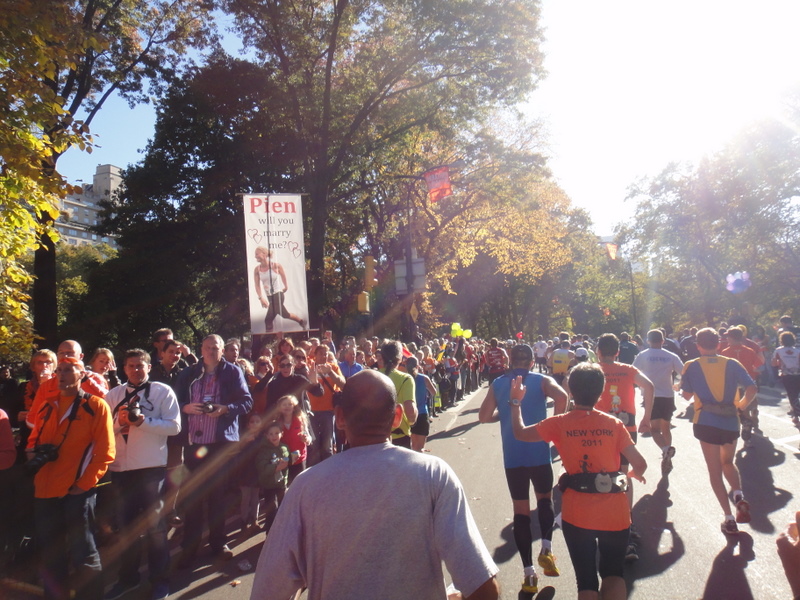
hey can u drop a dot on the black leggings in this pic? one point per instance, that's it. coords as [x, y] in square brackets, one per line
[583, 545]
[791, 384]
[276, 308]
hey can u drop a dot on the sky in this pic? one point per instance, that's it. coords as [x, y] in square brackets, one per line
[632, 85]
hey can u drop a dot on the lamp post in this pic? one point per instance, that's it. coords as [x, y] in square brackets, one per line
[409, 260]
[612, 249]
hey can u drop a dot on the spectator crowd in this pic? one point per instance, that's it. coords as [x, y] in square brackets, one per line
[94, 456]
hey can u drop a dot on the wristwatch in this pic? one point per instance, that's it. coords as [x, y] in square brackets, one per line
[514, 402]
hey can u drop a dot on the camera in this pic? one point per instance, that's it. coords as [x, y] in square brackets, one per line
[42, 454]
[134, 411]
[207, 407]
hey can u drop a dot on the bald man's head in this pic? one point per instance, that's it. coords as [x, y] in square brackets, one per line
[69, 349]
[368, 404]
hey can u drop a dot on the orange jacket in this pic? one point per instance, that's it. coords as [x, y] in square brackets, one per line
[87, 449]
[93, 384]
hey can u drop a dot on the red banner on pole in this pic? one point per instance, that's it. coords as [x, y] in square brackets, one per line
[438, 181]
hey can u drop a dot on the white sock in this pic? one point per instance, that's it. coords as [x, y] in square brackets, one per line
[547, 545]
[530, 571]
[738, 495]
[664, 450]
[729, 518]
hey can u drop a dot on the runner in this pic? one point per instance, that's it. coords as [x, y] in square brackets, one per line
[525, 463]
[787, 360]
[596, 516]
[751, 360]
[560, 361]
[540, 349]
[619, 400]
[496, 360]
[714, 381]
[659, 366]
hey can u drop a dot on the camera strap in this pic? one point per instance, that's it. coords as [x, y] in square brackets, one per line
[130, 395]
[130, 398]
[72, 415]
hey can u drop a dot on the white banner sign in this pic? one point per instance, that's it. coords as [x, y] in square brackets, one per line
[276, 263]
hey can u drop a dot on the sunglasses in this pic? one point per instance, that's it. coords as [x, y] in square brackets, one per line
[285, 365]
[299, 357]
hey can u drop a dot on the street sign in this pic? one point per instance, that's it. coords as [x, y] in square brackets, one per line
[414, 312]
[420, 284]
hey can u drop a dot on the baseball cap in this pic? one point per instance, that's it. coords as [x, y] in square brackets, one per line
[71, 360]
[581, 353]
[521, 352]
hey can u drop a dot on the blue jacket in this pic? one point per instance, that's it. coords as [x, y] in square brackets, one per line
[234, 394]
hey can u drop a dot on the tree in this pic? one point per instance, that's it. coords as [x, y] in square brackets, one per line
[735, 211]
[354, 78]
[178, 217]
[61, 59]
[28, 184]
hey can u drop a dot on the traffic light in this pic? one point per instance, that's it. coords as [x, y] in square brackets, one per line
[369, 274]
[363, 302]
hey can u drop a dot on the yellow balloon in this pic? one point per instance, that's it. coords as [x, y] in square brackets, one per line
[467, 334]
[455, 327]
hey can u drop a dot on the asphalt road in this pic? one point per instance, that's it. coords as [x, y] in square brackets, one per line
[683, 554]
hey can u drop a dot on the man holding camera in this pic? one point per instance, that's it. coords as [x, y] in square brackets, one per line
[145, 414]
[212, 395]
[70, 448]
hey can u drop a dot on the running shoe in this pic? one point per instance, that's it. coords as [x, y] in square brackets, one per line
[729, 527]
[666, 461]
[530, 584]
[548, 562]
[742, 511]
[631, 553]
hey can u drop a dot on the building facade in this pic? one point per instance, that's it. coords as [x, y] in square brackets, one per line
[80, 212]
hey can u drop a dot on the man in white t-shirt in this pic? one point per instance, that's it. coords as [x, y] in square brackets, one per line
[540, 352]
[412, 515]
[659, 366]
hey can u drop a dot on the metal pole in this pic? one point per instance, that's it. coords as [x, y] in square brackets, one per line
[409, 266]
[633, 299]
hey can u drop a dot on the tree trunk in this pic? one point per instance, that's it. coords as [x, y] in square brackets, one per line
[45, 301]
[316, 254]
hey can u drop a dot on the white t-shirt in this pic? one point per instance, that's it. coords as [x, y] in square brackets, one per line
[789, 360]
[373, 522]
[540, 348]
[659, 365]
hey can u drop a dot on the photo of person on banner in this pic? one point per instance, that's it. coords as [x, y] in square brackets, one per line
[270, 283]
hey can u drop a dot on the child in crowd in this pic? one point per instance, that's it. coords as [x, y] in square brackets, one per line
[272, 462]
[295, 433]
[248, 474]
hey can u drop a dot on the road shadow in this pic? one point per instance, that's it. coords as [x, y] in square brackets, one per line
[727, 578]
[228, 574]
[770, 396]
[454, 432]
[508, 549]
[650, 517]
[755, 467]
[687, 413]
